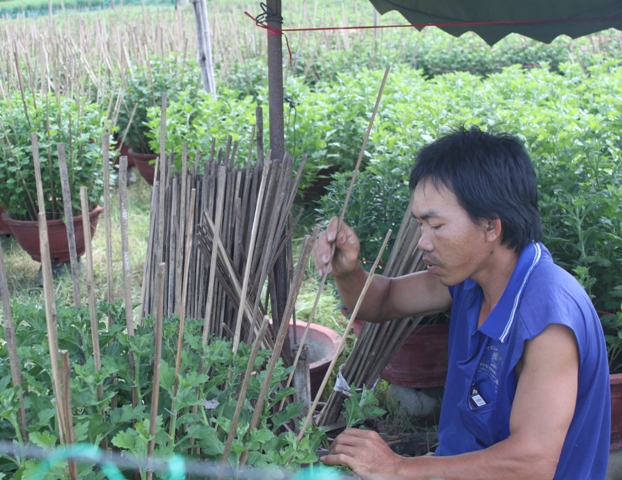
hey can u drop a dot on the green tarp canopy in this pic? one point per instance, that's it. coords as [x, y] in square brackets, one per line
[494, 19]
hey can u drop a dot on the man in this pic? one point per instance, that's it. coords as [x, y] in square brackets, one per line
[527, 391]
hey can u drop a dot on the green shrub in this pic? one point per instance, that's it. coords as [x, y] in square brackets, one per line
[55, 120]
[144, 87]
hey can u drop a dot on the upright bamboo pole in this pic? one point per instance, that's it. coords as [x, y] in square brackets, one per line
[65, 381]
[71, 235]
[90, 286]
[127, 272]
[157, 336]
[107, 212]
[9, 329]
[48, 290]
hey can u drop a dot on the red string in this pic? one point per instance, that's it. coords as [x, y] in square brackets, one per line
[272, 31]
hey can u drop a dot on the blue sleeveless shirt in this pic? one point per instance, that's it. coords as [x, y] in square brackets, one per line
[481, 381]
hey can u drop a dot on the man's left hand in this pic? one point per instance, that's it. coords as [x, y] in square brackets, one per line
[364, 452]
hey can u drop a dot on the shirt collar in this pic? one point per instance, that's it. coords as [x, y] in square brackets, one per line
[500, 320]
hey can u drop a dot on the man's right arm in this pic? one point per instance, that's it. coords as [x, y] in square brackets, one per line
[387, 298]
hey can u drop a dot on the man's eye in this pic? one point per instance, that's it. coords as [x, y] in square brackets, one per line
[435, 227]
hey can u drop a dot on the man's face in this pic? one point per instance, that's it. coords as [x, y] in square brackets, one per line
[454, 247]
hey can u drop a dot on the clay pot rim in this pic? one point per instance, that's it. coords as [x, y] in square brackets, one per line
[334, 337]
[9, 220]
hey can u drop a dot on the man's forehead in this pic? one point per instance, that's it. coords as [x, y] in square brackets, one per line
[433, 200]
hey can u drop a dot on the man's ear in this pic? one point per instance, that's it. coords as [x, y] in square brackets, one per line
[493, 229]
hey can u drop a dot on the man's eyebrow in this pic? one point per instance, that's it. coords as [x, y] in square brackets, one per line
[426, 215]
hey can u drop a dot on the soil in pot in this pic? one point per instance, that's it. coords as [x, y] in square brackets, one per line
[26, 233]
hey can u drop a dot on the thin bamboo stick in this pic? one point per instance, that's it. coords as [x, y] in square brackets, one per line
[212, 269]
[71, 235]
[9, 329]
[238, 322]
[65, 381]
[127, 272]
[108, 223]
[182, 315]
[90, 286]
[157, 336]
[283, 331]
[50, 316]
[344, 337]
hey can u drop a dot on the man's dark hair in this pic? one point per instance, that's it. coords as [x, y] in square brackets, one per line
[492, 177]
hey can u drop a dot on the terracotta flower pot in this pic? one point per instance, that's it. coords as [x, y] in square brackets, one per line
[616, 411]
[5, 229]
[27, 235]
[421, 361]
[323, 344]
[143, 164]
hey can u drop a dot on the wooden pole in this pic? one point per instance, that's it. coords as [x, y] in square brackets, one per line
[9, 329]
[90, 286]
[204, 46]
[277, 132]
[71, 235]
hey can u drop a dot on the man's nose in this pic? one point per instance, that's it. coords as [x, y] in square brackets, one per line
[424, 242]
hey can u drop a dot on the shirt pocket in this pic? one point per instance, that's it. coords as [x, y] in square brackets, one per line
[481, 423]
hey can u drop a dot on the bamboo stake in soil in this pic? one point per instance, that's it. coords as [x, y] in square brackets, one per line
[9, 329]
[283, 331]
[127, 279]
[250, 367]
[107, 209]
[157, 336]
[90, 286]
[71, 235]
[65, 381]
[370, 276]
[182, 315]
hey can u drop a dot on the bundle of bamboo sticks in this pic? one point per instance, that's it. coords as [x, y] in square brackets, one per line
[244, 214]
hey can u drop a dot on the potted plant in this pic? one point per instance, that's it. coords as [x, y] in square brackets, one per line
[144, 88]
[197, 118]
[55, 119]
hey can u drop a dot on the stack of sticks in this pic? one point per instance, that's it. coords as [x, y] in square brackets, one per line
[377, 343]
[243, 213]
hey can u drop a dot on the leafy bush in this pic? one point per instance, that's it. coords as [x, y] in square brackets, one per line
[212, 393]
[144, 87]
[197, 119]
[55, 120]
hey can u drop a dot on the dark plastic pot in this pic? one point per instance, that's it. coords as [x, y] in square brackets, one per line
[123, 150]
[143, 164]
[26, 233]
